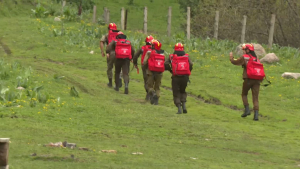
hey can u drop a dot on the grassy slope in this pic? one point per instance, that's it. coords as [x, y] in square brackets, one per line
[214, 134]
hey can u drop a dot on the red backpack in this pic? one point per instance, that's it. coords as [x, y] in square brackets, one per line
[145, 49]
[123, 49]
[255, 69]
[112, 34]
[180, 65]
[156, 62]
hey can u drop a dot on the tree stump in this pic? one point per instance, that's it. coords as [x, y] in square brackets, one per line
[4, 146]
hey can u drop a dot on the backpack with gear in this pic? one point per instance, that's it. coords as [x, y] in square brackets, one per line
[123, 49]
[156, 62]
[180, 65]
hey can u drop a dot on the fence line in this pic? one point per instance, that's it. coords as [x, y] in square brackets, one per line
[188, 27]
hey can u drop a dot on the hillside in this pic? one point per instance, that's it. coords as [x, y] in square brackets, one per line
[211, 135]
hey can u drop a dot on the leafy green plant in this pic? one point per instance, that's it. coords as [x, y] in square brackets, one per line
[57, 77]
[70, 14]
[23, 82]
[40, 11]
[74, 92]
[43, 98]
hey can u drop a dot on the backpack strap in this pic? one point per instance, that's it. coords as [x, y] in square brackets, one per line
[269, 82]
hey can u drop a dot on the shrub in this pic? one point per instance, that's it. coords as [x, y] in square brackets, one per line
[39, 11]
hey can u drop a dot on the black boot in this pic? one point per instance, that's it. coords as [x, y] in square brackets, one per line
[179, 109]
[116, 88]
[246, 111]
[184, 107]
[152, 97]
[126, 88]
[147, 97]
[109, 84]
[255, 115]
[156, 98]
[120, 83]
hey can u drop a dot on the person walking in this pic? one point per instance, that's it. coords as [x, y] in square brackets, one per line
[154, 65]
[180, 65]
[142, 51]
[253, 75]
[124, 53]
[110, 57]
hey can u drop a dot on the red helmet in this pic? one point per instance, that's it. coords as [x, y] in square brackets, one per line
[156, 44]
[179, 47]
[112, 26]
[149, 38]
[120, 33]
[248, 46]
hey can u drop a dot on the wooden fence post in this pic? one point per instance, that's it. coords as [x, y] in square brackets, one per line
[94, 14]
[62, 7]
[216, 25]
[4, 146]
[122, 18]
[145, 20]
[244, 29]
[62, 13]
[271, 33]
[125, 25]
[188, 23]
[169, 20]
[107, 17]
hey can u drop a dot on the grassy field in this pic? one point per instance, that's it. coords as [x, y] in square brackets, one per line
[211, 135]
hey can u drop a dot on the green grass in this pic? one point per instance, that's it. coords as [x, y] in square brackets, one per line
[102, 119]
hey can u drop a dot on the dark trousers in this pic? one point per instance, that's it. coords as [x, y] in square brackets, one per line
[254, 85]
[154, 82]
[110, 64]
[122, 64]
[144, 69]
[179, 84]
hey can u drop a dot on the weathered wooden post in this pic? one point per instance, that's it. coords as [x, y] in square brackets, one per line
[244, 29]
[122, 18]
[169, 20]
[216, 25]
[271, 33]
[63, 5]
[107, 17]
[94, 14]
[4, 146]
[145, 20]
[126, 14]
[62, 13]
[188, 23]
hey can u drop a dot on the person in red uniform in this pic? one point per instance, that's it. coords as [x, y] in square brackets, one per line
[124, 53]
[154, 65]
[180, 65]
[142, 51]
[249, 83]
[110, 57]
